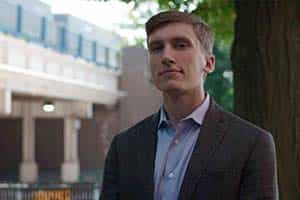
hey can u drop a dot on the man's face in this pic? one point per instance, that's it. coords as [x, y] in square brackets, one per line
[177, 60]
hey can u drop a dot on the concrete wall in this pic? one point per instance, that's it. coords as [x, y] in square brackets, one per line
[95, 134]
[142, 98]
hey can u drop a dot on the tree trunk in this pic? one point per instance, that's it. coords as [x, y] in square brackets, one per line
[266, 65]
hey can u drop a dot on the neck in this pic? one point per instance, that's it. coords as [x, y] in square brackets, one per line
[180, 105]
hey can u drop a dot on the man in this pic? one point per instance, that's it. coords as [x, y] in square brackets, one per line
[191, 148]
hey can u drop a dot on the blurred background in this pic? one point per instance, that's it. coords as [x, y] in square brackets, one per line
[72, 75]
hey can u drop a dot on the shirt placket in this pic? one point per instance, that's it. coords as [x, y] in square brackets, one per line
[171, 160]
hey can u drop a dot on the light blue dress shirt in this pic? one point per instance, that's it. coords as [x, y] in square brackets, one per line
[174, 149]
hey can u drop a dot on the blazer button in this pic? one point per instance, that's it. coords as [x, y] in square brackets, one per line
[171, 175]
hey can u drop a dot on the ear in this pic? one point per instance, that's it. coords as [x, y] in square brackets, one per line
[210, 64]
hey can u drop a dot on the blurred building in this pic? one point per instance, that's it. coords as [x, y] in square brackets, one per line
[142, 99]
[56, 74]
[61, 94]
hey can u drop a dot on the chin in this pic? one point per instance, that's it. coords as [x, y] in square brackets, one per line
[169, 85]
[167, 88]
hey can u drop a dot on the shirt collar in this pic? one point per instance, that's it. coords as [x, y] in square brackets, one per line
[162, 117]
[197, 115]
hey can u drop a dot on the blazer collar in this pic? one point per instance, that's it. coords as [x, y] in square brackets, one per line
[212, 133]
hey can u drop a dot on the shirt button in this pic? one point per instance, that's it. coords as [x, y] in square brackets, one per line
[176, 141]
[171, 175]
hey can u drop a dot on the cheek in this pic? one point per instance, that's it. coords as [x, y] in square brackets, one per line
[194, 69]
[154, 65]
[153, 71]
[192, 64]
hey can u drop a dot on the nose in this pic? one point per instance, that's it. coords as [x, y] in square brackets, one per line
[168, 57]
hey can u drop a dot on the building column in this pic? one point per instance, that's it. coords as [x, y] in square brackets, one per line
[70, 168]
[5, 101]
[28, 167]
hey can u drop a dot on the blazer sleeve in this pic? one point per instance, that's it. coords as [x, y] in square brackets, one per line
[259, 176]
[110, 184]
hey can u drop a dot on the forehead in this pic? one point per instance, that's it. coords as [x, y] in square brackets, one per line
[173, 30]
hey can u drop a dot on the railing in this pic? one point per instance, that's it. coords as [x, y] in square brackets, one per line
[48, 191]
[44, 30]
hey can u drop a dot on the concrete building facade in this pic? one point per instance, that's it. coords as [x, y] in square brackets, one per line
[49, 82]
[97, 90]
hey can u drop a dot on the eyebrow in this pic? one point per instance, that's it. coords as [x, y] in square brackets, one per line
[182, 39]
[177, 38]
[154, 42]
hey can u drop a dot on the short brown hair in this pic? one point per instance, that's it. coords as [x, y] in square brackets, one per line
[203, 32]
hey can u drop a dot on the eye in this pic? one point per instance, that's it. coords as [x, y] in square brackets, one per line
[156, 47]
[180, 45]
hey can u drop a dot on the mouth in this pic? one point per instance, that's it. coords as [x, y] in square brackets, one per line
[169, 71]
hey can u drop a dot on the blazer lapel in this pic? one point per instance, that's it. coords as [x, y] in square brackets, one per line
[146, 155]
[210, 137]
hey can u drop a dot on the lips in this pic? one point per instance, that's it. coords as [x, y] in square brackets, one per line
[166, 71]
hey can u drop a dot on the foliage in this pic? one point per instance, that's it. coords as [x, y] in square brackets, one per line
[218, 14]
[219, 83]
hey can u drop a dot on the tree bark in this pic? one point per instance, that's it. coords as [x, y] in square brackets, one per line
[266, 59]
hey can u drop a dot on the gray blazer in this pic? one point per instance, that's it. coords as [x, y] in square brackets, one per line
[232, 159]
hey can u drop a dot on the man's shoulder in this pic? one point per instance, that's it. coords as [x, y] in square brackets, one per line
[147, 124]
[244, 128]
[237, 121]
